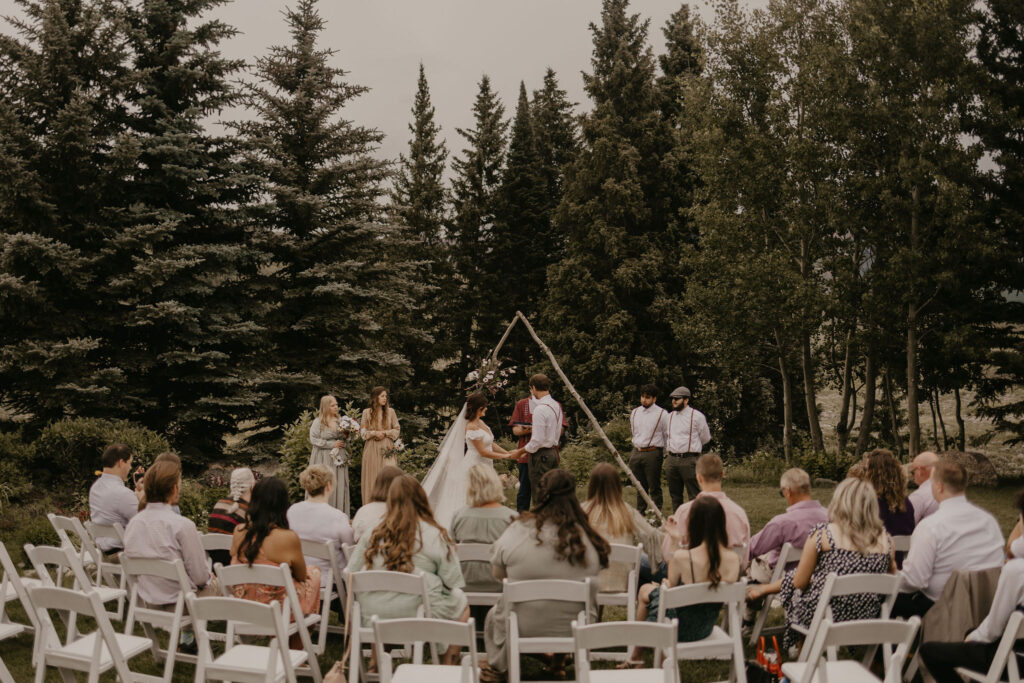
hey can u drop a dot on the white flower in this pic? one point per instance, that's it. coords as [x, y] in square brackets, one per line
[472, 376]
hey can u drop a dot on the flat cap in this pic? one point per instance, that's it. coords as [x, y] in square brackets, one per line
[680, 392]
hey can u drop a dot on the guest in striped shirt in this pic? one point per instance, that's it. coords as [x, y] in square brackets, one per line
[227, 513]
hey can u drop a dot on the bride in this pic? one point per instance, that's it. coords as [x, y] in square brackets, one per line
[468, 442]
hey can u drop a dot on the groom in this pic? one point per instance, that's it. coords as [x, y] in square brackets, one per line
[547, 416]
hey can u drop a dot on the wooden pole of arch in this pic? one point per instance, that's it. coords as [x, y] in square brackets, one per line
[579, 399]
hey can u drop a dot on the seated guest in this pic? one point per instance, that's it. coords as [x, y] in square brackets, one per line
[109, 501]
[554, 540]
[618, 523]
[707, 559]
[410, 540]
[483, 521]
[923, 500]
[372, 512]
[884, 472]
[264, 538]
[316, 519]
[157, 532]
[227, 513]
[709, 479]
[958, 535]
[852, 542]
[802, 514]
[979, 649]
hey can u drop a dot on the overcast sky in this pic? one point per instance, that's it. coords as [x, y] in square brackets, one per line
[382, 42]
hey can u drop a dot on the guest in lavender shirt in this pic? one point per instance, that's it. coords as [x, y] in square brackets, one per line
[802, 514]
[158, 532]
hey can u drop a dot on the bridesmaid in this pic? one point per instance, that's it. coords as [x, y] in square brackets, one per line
[325, 435]
[379, 429]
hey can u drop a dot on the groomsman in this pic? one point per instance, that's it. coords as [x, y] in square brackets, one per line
[687, 435]
[649, 425]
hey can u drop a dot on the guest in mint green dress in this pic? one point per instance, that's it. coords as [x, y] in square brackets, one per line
[409, 540]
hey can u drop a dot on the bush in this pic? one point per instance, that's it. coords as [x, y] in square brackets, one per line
[196, 501]
[16, 458]
[295, 454]
[21, 524]
[70, 450]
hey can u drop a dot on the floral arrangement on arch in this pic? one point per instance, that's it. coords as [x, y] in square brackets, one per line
[349, 428]
[490, 377]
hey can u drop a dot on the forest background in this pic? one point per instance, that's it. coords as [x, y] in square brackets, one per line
[812, 215]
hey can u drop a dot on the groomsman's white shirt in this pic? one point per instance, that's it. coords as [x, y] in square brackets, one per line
[958, 535]
[649, 425]
[547, 424]
[681, 437]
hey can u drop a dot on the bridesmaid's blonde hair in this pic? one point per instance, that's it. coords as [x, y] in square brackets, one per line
[854, 509]
[325, 405]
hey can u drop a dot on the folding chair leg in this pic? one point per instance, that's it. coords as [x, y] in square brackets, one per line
[5, 675]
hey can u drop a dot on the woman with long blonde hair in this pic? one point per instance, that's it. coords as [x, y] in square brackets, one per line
[325, 435]
[410, 540]
[853, 541]
[379, 429]
[618, 523]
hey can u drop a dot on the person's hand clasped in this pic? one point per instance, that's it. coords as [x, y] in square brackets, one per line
[753, 593]
[339, 444]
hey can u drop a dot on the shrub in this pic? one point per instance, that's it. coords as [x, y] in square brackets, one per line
[196, 501]
[16, 458]
[295, 454]
[70, 450]
[27, 523]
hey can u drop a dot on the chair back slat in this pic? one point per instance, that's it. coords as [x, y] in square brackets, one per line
[854, 584]
[236, 574]
[901, 544]
[62, 559]
[51, 597]
[215, 541]
[406, 631]
[473, 552]
[546, 589]
[699, 593]
[628, 633]
[321, 550]
[626, 554]
[164, 569]
[381, 580]
[112, 531]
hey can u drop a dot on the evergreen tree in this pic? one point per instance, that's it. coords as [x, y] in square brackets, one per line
[187, 338]
[62, 158]
[603, 312]
[556, 138]
[339, 286]
[682, 59]
[473, 315]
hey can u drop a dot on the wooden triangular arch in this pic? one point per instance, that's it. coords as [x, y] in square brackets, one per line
[579, 399]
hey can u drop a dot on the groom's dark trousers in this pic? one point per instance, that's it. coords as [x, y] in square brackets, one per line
[540, 462]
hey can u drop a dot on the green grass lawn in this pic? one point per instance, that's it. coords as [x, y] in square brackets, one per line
[760, 502]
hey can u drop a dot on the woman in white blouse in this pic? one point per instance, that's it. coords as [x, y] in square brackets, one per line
[315, 519]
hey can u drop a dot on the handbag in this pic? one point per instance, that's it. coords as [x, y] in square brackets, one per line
[767, 668]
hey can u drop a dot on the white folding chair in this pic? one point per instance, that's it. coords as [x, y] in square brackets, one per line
[270, 663]
[629, 555]
[94, 653]
[787, 555]
[346, 551]
[549, 590]
[1005, 659]
[332, 586]
[820, 667]
[419, 631]
[280, 577]
[478, 552]
[885, 586]
[64, 561]
[172, 621]
[590, 640]
[722, 643]
[368, 582]
[901, 544]
[13, 587]
[106, 573]
[8, 631]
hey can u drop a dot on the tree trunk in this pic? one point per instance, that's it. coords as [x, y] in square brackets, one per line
[844, 424]
[894, 430]
[935, 421]
[913, 419]
[810, 396]
[870, 375]
[961, 441]
[787, 405]
[942, 422]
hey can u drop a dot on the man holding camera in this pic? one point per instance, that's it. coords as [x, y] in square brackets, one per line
[109, 500]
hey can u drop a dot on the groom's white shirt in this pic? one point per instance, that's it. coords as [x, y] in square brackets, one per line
[547, 423]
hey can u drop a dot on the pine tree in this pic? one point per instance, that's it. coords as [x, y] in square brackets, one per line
[339, 289]
[62, 158]
[556, 137]
[682, 59]
[475, 188]
[602, 313]
[187, 338]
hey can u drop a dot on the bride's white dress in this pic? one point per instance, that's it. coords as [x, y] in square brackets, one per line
[448, 478]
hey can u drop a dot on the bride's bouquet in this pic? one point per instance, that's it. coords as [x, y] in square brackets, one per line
[348, 428]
